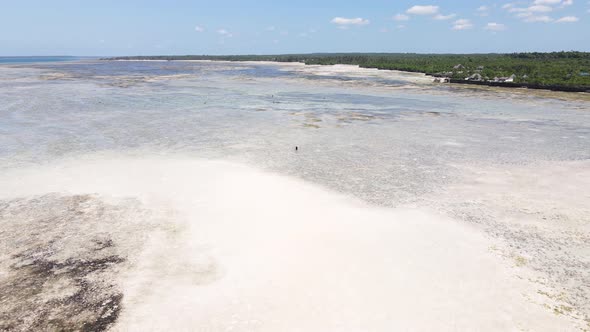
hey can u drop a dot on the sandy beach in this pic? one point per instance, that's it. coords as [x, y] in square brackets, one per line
[157, 196]
[244, 249]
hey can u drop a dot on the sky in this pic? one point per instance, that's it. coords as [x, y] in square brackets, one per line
[174, 27]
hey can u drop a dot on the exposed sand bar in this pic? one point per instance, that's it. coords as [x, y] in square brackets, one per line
[245, 250]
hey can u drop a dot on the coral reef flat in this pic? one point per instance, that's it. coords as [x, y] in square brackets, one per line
[169, 195]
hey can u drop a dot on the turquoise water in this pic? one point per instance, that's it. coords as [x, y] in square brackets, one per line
[34, 59]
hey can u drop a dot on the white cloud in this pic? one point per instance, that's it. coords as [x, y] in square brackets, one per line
[563, 3]
[270, 28]
[540, 9]
[492, 26]
[345, 22]
[483, 11]
[567, 2]
[401, 17]
[225, 33]
[531, 9]
[444, 17]
[567, 19]
[199, 28]
[533, 19]
[462, 24]
[423, 10]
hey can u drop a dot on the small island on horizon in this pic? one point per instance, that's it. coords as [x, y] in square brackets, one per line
[557, 71]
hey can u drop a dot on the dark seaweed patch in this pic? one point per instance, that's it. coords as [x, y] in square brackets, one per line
[91, 306]
[60, 276]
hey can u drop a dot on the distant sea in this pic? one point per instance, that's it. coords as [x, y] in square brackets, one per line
[33, 59]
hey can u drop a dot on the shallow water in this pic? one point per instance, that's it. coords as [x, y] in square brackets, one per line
[390, 145]
[502, 163]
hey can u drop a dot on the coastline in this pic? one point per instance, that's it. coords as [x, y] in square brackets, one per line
[524, 85]
[490, 86]
[440, 65]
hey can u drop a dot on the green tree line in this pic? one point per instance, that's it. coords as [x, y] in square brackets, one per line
[556, 68]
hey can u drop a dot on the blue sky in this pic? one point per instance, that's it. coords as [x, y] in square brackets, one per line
[146, 27]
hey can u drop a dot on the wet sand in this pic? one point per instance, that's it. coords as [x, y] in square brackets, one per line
[221, 246]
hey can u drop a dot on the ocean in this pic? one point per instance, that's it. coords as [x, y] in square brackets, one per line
[34, 59]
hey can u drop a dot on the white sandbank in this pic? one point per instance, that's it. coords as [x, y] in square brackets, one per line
[246, 250]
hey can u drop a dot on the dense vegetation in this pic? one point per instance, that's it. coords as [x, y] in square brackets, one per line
[557, 68]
